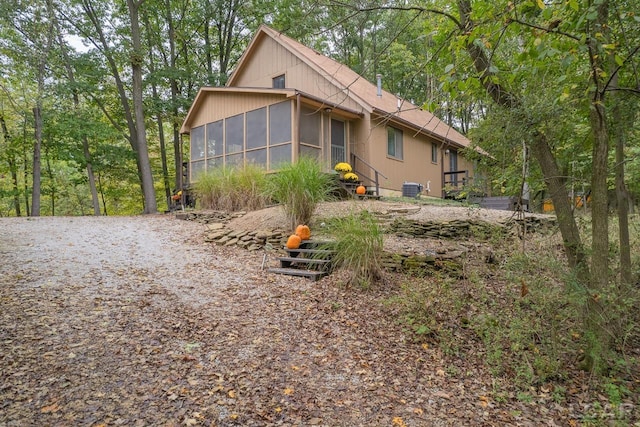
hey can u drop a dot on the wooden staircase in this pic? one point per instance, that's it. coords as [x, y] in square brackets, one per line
[350, 188]
[311, 260]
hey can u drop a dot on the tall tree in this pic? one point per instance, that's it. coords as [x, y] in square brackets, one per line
[134, 119]
[578, 36]
[70, 74]
[136, 56]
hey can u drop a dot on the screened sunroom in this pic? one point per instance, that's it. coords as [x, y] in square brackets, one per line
[286, 127]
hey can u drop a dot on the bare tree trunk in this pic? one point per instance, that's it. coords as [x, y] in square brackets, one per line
[596, 316]
[539, 147]
[136, 127]
[566, 222]
[13, 167]
[177, 153]
[37, 173]
[159, 121]
[14, 180]
[25, 170]
[226, 22]
[622, 195]
[52, 184]
[148, 190]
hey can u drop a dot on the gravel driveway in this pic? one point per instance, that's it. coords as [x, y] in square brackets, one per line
[134, 321]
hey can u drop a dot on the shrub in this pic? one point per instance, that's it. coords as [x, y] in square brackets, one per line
[232, 189]
[299, 187]
[358, 247]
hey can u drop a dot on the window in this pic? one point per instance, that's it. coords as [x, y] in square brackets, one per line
[310, 126]
[394, 143]
[257, 128]
[279, 155]
[278, 82]
[197, 143]
[234, 141]
[257, 157]
[214, 139]
[434, 153]
[280, 123]
[260, 137]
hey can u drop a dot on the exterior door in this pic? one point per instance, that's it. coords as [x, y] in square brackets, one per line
[338, 142]
[453, 167]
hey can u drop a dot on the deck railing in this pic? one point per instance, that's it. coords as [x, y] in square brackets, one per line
[453, 183]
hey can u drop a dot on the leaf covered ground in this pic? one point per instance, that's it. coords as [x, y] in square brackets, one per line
[135, 321]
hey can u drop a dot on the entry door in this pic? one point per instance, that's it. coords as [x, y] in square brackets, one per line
[453, 166]
[338, 142]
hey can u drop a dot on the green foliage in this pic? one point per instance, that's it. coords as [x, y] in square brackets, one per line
[299, 187]
[421, 301]
[358, 247]
[232, 189]
[523, 320]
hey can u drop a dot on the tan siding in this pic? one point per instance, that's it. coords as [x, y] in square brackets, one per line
[416, 165]
[218, 106]
[271, 59]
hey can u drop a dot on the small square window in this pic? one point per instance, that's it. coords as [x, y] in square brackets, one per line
[278, 82]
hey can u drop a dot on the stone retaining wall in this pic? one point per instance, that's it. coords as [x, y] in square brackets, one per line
[450, 262]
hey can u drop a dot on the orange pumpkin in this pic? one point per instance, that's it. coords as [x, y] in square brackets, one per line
[360, 189]
[303, 231]
[293, 242]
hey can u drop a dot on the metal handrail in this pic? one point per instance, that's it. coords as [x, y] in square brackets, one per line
[361, 174]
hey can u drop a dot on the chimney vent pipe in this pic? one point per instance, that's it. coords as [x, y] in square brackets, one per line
[379, 79]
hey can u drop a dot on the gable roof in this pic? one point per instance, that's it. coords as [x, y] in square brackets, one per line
[387, 107]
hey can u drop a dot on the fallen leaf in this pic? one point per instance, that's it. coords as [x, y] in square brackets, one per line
[442, 394]
[232, 394]
[397, 421]
[484, 401]
[288, 391]
[50, 409]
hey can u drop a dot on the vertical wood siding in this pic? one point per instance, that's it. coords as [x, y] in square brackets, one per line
[270, 60]
[219, 106]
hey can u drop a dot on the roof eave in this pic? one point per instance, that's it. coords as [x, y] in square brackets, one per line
[392, 117]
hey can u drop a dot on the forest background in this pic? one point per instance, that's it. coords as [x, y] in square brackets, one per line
[92, 95]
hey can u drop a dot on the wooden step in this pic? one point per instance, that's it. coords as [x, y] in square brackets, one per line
[316, 253]
[367, 196]
[287, 262]
[311, 260]
[314, 244]
[314, 275]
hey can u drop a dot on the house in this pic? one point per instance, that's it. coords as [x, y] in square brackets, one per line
[285, 100]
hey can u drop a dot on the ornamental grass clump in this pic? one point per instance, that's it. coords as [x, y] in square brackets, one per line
[299, 187]
[358, 247]
[232, 189]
